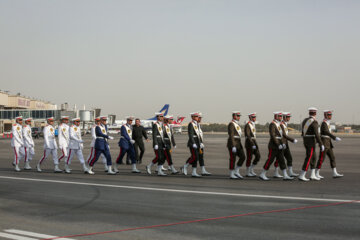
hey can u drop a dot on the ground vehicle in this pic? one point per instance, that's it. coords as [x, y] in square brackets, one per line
[36, 132]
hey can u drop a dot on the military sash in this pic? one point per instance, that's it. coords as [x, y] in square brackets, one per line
[201, 133]
[168, 131]
[285, 128]
[18, 130]
[64, 132]
[277, 124]
[160, 129]
[253, 129]
[128, 130]
[328, 125]
[307, 125]
[196, 129]
[237, 127]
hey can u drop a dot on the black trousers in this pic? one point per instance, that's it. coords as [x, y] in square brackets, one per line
[330, 153]
[240, 154]
[250, 152]
[195, 156]
[278, 154]
[159, 156]
[310, 158]
[201, 157]
[288, 157]
[139, 146]
[168, 156]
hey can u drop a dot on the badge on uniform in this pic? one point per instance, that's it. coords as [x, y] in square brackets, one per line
[103, 130]
[75, 129]
[168, 130]
[159, 129]
[279, 128]
[129, 131]
[238, 128]
[18, 128]
[29, 132]
[64, 129]
[195, 127]
[51, 129]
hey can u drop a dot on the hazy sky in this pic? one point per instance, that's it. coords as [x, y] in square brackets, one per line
[131, 57]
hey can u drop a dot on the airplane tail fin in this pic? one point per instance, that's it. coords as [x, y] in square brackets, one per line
[180, 120]
[164, 110]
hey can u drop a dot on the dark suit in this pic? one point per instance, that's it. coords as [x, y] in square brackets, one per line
[250, 141]
[101, 146]
[234, 140]
[138, 134]
[311, 136]
[193, 139]
[286, 152]
[274, 144]
[169, 140]
[158, 140]
[326, 137]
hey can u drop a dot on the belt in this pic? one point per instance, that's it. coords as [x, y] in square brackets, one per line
[250, 137]
[195, 136]
[100, 138]
[236, 136]
[309, 136]
[278, 137]
[167, 138]
[325, 136]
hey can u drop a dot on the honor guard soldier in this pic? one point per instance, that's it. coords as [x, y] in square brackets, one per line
[286, 150]
[28, 143]
[75, 146]
[17, 142]
[310, 134]
[126, 145]
[234, 146]
[276, 147]
[193, 144]
[326, 136]
[202, 147]
[50, 146]
[158, 145]
[63, 136]
[169, 141]
[92, 145]
[102, 146]
[137, 134]
[251, 145]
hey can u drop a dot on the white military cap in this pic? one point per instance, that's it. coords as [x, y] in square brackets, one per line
[194, 114]
[252, 114]
[50, 118]
[130, 118]
[236, 113]
[287, 114]
[75, 119]
[200, 114]
[169, 117]
[103, 117]
[159, 114]
[328, 111]
[312, 109]
[279, 113]
[65, 117]
[28, 119]
[18, 117]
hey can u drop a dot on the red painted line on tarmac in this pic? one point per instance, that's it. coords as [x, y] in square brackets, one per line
[204, 220]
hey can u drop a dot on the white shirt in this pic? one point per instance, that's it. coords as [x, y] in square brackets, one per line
[63, 134]
[49, 137]
[28, 140]
[17, 139]
[75, 138]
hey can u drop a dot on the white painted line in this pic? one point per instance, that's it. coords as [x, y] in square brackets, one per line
[181, 191]
[32, 234]
[15, 237]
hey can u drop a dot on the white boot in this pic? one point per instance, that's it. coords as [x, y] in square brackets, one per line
[91, 171]
[277, 173]
[163, 169]
[148, 168]
[248, 172]
[67, 169]
[302, 176]
[317, 174]
[57, 169]
[204, 172]
[85, 169]
[237, 173]
[38, 168]
[194, 173]
[160, 171]
[134, 169]
[173, 170]
[252, 170]
[286, 176]
[106, 168]
[313, 175]
[336, 174]
[116, 170]
[110, 171]
[184, 169]
[232, 175]
[27, 166]
[263, 176]
[17, 169]
[291, 173]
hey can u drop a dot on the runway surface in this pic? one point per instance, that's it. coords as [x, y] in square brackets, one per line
[138, 206]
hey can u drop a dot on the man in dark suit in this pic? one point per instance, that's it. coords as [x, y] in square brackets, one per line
[138, 133]
[169, 141]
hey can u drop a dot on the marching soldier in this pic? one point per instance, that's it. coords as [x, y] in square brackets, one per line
[137, 134]
[169, 141]
[126, 145]
[276, 147]
[286, 150]
[92, 144]
[193, 145]
[17, 142]
[63, 136]
[234, 146]
[158, 145]
[251, 145]
[75, 146]
[102, 146]
[50, 146]
[28, 143]
[310, 134]
[201, 150]
[326, 136]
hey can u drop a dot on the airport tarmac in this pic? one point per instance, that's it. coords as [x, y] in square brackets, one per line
[138, 206]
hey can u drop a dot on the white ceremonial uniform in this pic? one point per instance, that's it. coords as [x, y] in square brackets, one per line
[50, 146]
[29, 145]
[92, 147]
[17, 142]
[75, 145]
[64, 139]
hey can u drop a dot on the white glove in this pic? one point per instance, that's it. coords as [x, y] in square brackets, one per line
[295, 141]
[337, 139]
[111, 137]
[254, 147]
[234, 149]
[280, 146]
[81, 141]
[81, 146]
[202, 145]
[175, 146]
[322, 148]
[132, 141]
[194, 146]
[156, 147]
[284, 146]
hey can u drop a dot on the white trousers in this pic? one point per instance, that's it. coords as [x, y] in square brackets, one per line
[92, 155]
[29, 153]
[47, 152]
[19, 154]
[64, 151]
[78, 153]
